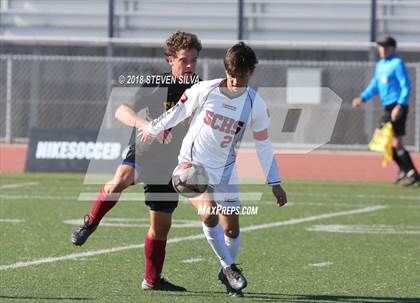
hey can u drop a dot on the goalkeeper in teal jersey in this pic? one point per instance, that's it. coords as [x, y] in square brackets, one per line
[392, 82]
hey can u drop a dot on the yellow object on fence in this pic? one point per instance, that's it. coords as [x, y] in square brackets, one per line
[382, 142]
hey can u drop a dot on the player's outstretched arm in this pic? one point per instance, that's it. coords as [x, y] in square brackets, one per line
[186, 105]
[129, 117]
[168, 120]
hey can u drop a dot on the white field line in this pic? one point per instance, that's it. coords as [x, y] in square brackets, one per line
[134, 222]
[189, 238]
[321, 264]
[351, 205]
[249, 196]
[11, 221]
[38, 197]
[314, 218]
[192, 260]
[328, 204]
[367, 229]
[361, 196]
[17, 185]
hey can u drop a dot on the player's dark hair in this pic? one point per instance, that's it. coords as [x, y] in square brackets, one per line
[240, 59]
[181, 40]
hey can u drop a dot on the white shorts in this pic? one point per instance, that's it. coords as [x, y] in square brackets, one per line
[225, 186]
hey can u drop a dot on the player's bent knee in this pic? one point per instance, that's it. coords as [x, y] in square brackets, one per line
[158, 234]
[160, 224]
[210, 220]
[232, 233]
[115, 187]
[160, 230]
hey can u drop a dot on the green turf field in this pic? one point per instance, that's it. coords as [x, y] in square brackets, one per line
[289, 254]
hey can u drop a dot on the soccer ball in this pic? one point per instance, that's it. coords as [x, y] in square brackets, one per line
[190, 179]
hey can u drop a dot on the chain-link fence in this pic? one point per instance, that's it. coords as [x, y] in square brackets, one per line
[72, 92]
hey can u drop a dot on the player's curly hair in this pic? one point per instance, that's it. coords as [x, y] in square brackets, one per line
[181, 40]
[240, 59]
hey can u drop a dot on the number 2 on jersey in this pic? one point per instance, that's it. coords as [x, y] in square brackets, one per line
[226, 141]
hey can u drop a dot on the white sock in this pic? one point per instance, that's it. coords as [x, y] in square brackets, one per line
[215, 237]
[233, 246]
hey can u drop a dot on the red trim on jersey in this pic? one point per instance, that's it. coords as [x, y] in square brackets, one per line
[184, 98]
[261, 135]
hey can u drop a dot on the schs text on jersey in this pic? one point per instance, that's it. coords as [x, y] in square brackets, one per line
[223, 124]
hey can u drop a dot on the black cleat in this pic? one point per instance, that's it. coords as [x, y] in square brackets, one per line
[234, 277]
[229, 290]
[235, 293]
[80, 235]
[162, 285]
[401, 175]
[412, 179]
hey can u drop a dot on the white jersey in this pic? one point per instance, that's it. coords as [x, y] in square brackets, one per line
[217, 126]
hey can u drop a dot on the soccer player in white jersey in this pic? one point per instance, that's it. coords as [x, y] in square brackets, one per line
[223, 109]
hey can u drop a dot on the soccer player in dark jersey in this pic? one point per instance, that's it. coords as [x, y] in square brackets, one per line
[153, 165]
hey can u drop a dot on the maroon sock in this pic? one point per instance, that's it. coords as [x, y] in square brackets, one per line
[101, 206]
[154, 252]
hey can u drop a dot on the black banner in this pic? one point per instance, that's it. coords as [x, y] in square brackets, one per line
[71, 150]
